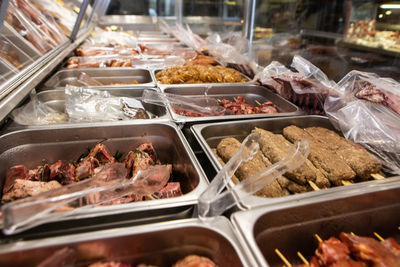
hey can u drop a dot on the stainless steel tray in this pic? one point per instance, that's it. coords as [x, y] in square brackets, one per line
[103, 75]
[291, 227]
[251, 94]
[23, 58]
[164, 86]
[30, 147]
[160, 244]
[209, 136]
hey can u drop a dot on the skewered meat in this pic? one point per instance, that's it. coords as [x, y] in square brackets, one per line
[362, 162]
[199, 74]
[90, 51]
[392, 245]
[195, 261]
[331, 251]
[371, 93]
[26, 188]
[99, 62]
[330, 164]
[227, 148]
[370, 250]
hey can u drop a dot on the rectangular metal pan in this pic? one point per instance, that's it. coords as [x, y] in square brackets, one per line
[291, 227]
[6, 69]
[160, 244]
[209, 136]
[30, 147]
[251, 94]
[163, 86]
[55, 99]
[103, 75]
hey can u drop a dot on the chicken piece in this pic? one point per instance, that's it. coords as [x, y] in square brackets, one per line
[194, 261]
[26, 188]
[331, 251]
[172, 189]
[348, 263]
[370, 250]
[110, 264]
[358, 158]
[391, 244]
[62, 172]
[13, 173]
[329, 163]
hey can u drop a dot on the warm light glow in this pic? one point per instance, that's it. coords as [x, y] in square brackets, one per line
[390, 6]
[388, 12]
[380, 16]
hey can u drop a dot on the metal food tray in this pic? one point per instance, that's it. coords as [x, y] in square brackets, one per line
[209, 136]
[251, 94]
[30, 147]
[160, 244]
[23, 58]
[164, 86]
[103, 75]
[291, 227]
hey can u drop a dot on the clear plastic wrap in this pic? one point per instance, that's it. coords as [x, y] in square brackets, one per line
[101, 62]
[101, 36]
[89, 105]
[307, 88]
[36, 112]
[93, 50]
[366, 108]
[9, 54]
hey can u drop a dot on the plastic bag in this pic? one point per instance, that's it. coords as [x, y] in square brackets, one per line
[101, 36]
[101, 62]
[36, 112]
[89, 105]
[366, 109]
[306, 88]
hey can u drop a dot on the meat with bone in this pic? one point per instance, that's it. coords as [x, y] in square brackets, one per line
[15, 172]
[62, 172]
[370, 250]
[360, 160]
[240, 106]
[26, 188]
[370, 92]
[229, 146]
[329, 163]
[331, 251]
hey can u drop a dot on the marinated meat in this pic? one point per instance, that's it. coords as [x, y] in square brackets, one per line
[194, 261]
[363, 163]
[275, 148]
[110, 264]
[202, 60]
[329, 163]
[90, 51]
[370, 92]
[348, 263]
[227, 149]
[133, 82]
[370, 250]
[62, 172]
[15, 172]
[97, 156]
[240, 106]
[137, 160]
[199, 74]
[26, 188]
[331, 251]
[62, 257]
[392, 245]
[170, 190]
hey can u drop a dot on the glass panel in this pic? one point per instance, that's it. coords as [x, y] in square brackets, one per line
[31, 29]
[146, 7]
[337, 36]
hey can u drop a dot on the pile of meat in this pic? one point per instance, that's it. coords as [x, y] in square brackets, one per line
[100, 62]
[237, 107]
[188, 261]
[370, 92]
[355, 251]
[105, 50]
[199, 74]
[332, 160]
[21, 182]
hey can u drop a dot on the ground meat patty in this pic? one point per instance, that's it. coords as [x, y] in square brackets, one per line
[275, 148]
[359, 159]
[327, 161]
[229, 146]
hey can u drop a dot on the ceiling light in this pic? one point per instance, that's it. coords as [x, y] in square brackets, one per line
[390, 6]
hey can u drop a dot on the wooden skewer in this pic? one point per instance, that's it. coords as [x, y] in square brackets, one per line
[314, 186]
[219, 101]
[258, 102]
[305, 261]
[283, 258]
[347, 182]
[377, 176]
[318, 237]
[234, 98]
[352, 233]
[398, 228]
[378, 236]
